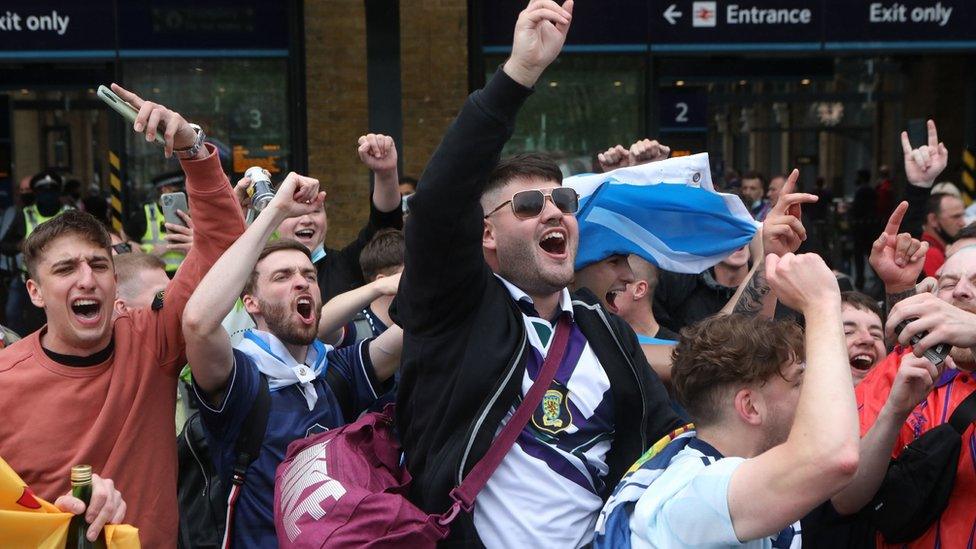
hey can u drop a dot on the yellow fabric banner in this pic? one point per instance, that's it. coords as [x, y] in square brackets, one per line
[27, 521]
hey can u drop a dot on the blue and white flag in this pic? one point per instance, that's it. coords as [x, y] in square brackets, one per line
[666, 212]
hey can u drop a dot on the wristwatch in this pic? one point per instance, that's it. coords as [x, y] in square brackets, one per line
[193, 149]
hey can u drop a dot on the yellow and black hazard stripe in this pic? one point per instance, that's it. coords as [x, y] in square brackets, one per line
[968, 176]
[115, 190]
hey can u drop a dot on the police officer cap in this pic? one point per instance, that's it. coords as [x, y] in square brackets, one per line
[46, 180]
[169, 179]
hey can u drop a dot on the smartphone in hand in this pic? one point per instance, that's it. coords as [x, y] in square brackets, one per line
[172, 202]
[125, 109]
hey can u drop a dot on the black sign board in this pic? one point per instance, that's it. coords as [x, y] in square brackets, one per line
[35, 29]
[708, 26]
[594, 25]
[683, 109]
[690, 25]
[38, 25]
[887, 24]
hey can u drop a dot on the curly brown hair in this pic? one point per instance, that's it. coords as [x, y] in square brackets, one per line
[725, 352]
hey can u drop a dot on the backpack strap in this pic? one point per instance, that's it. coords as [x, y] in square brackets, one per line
[246, 449]
[465, 493]
[964, 414]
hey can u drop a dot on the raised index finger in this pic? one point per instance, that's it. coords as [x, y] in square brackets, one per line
[783, 203]
[128, 96]
[933, 134]
[894, 222]
[790, 186]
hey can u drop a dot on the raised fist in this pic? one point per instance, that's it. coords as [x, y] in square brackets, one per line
[378, 152]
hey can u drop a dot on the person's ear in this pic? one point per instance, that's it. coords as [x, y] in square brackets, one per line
[488, 240]
[120, 307]
[749, 406]
[34, 291]
[251, 304]
[640, 289]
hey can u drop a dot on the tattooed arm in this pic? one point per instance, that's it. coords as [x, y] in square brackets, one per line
[753, 296]
[781, 233]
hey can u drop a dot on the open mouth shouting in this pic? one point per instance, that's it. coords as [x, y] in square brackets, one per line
[554, 242]
[610, 298]
[863, 361]
[304, 307]
[305, 235]
[87, 311]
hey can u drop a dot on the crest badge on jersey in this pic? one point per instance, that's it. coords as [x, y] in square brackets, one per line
[157, 303]
[553, 415]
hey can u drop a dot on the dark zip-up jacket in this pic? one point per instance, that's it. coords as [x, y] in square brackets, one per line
[465, 345]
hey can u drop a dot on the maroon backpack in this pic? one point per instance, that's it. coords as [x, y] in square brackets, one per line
[347, 488]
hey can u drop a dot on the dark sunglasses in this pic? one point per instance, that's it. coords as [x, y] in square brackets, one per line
[122, 248]
[529, 204]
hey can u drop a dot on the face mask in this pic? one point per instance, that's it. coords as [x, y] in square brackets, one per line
[48, 202]
[27, 199]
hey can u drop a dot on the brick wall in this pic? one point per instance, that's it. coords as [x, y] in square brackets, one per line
[434, 65]
[434, 74]
[335, 76]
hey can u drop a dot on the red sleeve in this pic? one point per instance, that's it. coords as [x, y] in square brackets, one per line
[934, 258]
[873, 390]
[217, 223]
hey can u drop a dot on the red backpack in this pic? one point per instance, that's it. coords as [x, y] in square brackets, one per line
[347, 488]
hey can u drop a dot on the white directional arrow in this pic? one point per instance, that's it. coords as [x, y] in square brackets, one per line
[672, 14]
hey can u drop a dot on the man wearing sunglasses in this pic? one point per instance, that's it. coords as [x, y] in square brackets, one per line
[489, 256]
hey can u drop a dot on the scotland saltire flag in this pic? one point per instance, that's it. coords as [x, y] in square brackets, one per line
[666, 212]
[613, 525]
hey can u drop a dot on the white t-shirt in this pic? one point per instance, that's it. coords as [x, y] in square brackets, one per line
[546, 491]
[688, 506]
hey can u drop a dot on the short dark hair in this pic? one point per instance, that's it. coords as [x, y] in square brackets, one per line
[522, 165]
[860, 301]
[722, 352]
[69, 223]
[934, 204]
[383, 252]
[646, 271]
[270, 248]
[753, 174]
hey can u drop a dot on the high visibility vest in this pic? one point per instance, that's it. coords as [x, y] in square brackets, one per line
[154, 236]
[33, 218]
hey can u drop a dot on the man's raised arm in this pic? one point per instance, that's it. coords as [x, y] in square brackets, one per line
[445, 265]
[208, 346]
[217, 216]
[820, 456]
